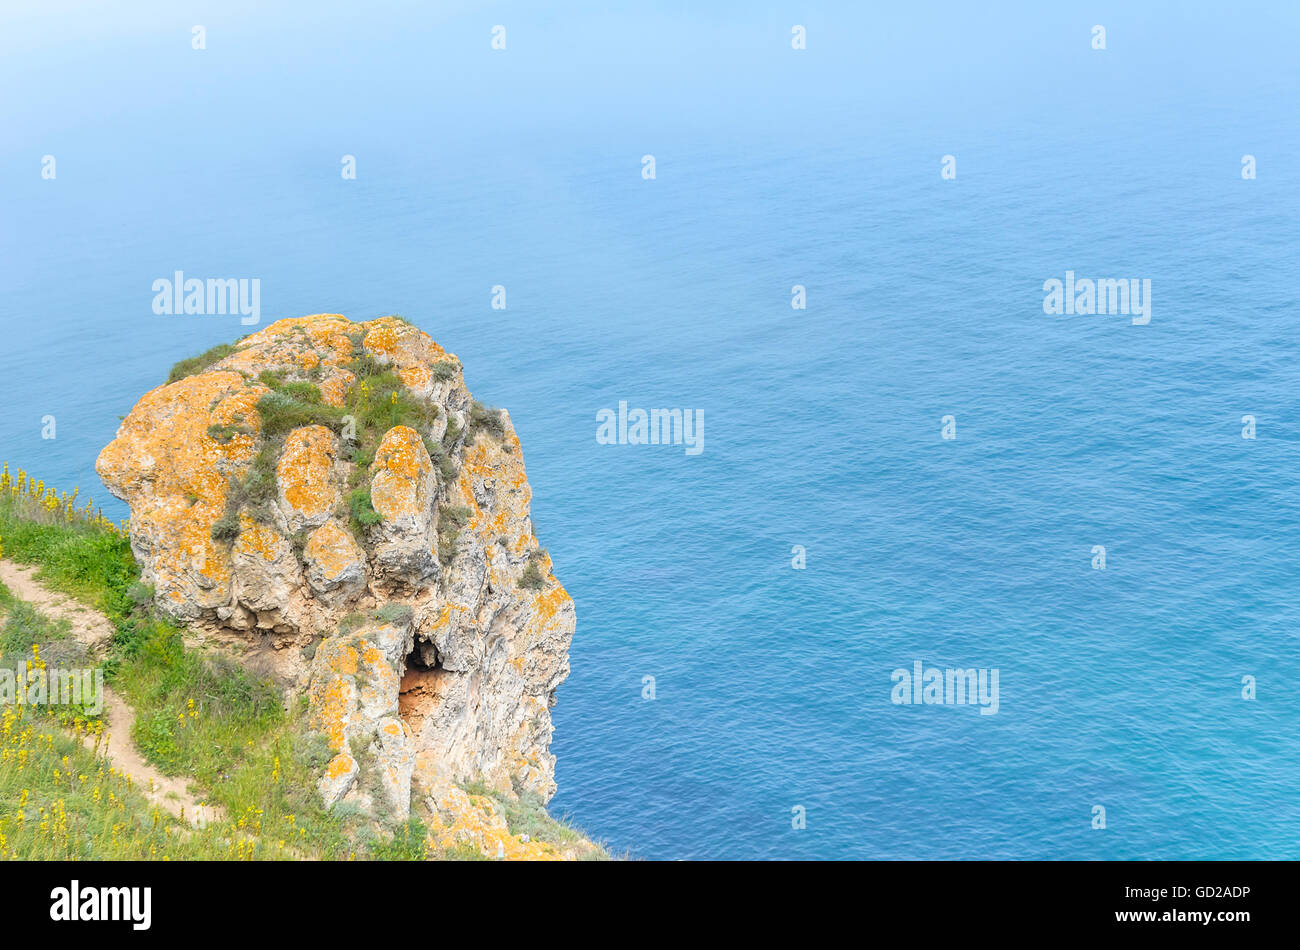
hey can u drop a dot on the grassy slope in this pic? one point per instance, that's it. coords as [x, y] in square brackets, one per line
[198, 715]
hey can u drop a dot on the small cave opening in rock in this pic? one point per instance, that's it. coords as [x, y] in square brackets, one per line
[421, 686]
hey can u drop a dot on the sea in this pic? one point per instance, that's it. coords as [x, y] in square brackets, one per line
[837, 256]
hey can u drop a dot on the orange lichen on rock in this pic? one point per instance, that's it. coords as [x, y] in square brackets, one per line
[307, 490]
[165, 443]
[338, 765]
[344, 659]
[416, 378]
[333, 551]
[549, 602]
[340, 775]
[394, 339]
[334, 387]
[403, 472]
[259, 540]
[284, 343]
[381, 340]
[380, 684]
[458, 818]
[269, 534]
[172, 460]
[332, 704]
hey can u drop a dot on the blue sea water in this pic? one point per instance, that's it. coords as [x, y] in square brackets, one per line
[1120, 688]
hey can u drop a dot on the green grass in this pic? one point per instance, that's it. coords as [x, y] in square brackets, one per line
[485, 419]
[289, 406]
[527, 815]
[199, 716]
[197, 364]
[60, 802]
[442, 461]
[226, 528]
[408, 843]
[377, 402]
[445, 371]
[399, 615]
[295, 406]
[532, 579]
[86, 562]
[57, 799]
[224, 432]
[450, 437]
[22, 626]
[362, 510]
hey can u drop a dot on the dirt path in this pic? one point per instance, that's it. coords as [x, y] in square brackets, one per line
[95, 630]
[89, 626]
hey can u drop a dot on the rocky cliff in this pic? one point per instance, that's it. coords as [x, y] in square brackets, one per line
[327, 498]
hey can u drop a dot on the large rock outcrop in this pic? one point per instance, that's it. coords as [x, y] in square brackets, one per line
[328, 495]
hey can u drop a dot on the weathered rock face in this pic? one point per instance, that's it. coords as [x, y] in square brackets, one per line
[324, 470]
[354, 695]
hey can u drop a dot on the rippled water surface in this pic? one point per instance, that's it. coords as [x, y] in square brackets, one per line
[1119, 688]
